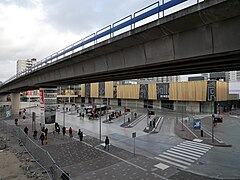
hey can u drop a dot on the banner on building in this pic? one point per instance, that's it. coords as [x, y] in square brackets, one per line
[101, 89]
[162, 90]
[143, 93]
[211, 90]
[87, 90]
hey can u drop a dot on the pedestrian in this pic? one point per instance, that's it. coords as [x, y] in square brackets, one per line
[106, 143]
[70, 132]
[42, 137]
[26, 130]
[64, 130]
[35, 134]
[46, 132]
[154, 123]
[20, 113]
[80, 134]
[58, 129]
[83, 115]
[16, 122]
[56, 125]
[135, 114]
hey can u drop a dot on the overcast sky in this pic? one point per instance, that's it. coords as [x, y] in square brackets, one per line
[38, 28]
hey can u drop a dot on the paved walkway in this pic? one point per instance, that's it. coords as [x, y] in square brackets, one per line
[89, 159]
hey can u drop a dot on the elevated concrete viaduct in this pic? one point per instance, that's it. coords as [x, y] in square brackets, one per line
[201, 38]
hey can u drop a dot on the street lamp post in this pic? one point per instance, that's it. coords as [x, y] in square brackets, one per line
[64, 112]
[176, 100]
[107, 109]
[100, 125]
[124, 114]
[182, 117]
[147, 114]
[212, 121]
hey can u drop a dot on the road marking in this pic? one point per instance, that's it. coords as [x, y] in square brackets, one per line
[187, 150]
[174, 159]
[199, 144]
[161, 166]
[197, 140]
[181, 154]
[191, 148]
[179, 157]
[170, 162]
[196, 147]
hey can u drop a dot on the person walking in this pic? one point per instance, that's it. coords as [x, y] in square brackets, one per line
[106, 143]
[26, 130]
[80, 134]
[46, 132]
[42, 137]
[64, 130]
[35, 134]
[70, 132]
[58, 129]
[16, 121]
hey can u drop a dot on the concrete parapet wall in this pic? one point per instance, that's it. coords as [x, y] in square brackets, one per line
[28, 104]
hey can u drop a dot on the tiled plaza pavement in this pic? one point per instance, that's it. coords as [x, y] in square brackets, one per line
[89, 160]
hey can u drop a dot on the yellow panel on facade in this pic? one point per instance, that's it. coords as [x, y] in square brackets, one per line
[109, 89]
[188, 91]
[201, 90]
[94, 90]
[152, 91]
[82, 90]
[222, 91]
[128, 91]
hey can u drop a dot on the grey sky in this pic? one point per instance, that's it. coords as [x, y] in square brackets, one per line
[38, 28]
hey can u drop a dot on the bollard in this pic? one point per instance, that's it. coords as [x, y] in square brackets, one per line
[201, 133]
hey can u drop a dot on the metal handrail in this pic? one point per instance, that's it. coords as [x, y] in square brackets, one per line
[95, 36]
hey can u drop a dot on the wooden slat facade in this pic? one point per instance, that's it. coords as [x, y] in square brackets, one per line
[109, 89]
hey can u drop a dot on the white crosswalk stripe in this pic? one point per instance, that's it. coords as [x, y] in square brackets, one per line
[184, 154]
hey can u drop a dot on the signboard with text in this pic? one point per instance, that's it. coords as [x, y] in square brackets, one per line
[48, 101]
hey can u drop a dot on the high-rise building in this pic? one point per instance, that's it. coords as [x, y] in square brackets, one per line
[161, 79]
[25, 64]
[234, 75]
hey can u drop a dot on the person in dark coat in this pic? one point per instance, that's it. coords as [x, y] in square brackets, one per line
[154, 123]
[64, 130]
[80, 134]
[58, 129]
[35, 134]
[46, 132]
[106, 143]
[16, 122]
[42, 137]
[26, 130]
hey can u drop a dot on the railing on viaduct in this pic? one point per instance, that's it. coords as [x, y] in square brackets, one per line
[158, 9]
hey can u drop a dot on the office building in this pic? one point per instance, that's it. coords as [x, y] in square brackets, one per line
[25, 64]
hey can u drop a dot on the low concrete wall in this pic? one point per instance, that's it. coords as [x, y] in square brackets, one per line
[193, 107]
[28, 104]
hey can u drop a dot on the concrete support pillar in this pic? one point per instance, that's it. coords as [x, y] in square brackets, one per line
[15, 99]
[4, 98]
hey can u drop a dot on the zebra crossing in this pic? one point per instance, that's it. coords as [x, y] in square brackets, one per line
[182, 155]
